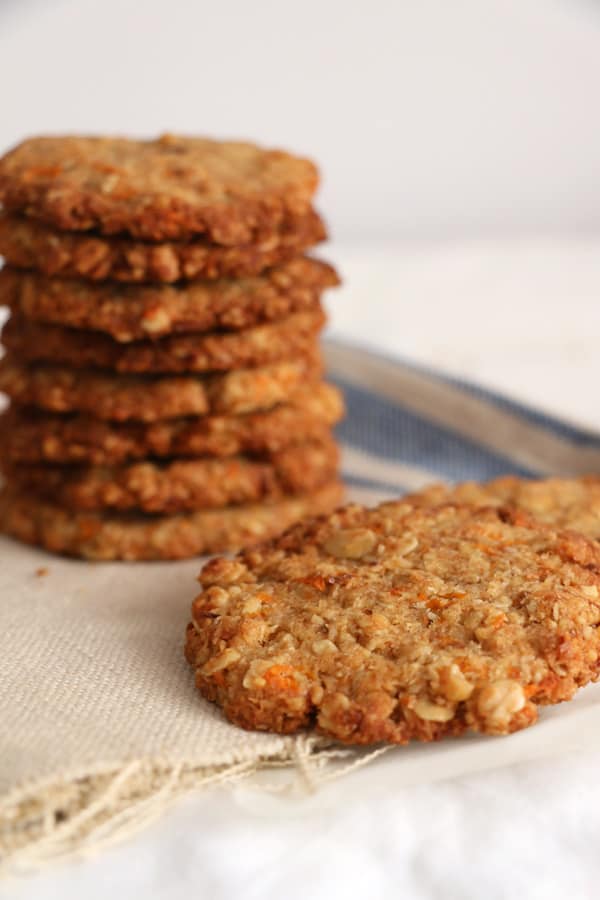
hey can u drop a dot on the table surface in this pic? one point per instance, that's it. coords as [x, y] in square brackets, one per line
[520, 316]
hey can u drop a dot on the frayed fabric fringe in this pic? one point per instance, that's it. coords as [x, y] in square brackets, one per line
[81, 814]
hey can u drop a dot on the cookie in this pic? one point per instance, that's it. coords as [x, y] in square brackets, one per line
[572, 503]
[183, 485]
[129, 537]
[208, 351]
[29, 436]
[129, 313]
[31, 245]
[150, 398]
[399, 622]
[171, 188]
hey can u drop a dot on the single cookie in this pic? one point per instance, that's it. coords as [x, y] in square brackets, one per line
[172, 188]
[31, 245]
[182, 485]
[130, 313]
[209, 351]
[572, 503]
[399, 622]
[28, 436]
[129, 537]
[150, 398]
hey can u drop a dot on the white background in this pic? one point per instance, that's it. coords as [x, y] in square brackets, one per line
[430, 118]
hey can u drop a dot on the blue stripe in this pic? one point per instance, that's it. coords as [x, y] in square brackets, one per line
[374, 484]
[382, 428]
[580, 437]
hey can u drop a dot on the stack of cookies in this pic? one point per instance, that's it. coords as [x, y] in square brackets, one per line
[162, 353]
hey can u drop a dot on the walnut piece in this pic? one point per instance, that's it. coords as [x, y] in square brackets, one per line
[497, 703]
[350, 543]
[432, 712]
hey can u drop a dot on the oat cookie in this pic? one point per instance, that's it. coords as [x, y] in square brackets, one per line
[182, 485]
[572, 503]
[399, 622]
[150, 398]
[208, 351]
[29, 436]
[173, 187]
[135, 312]
[31, 245]
[137, 537]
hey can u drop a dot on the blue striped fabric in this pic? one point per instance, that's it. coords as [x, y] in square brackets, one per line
[407, 425]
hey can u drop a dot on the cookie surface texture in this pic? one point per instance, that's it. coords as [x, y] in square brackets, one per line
[572, 503]
[399, 622]
[170, 188]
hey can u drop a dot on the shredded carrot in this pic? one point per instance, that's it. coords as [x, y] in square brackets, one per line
[316, 581]
[436, 603]
[499, 621]
[282, 679]
[466, 665]
[42, 172]
[106, 168]
[446, 641]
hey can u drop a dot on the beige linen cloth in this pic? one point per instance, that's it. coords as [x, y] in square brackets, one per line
[100, 724]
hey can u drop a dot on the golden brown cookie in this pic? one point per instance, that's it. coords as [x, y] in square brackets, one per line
[560, 502]
[135, 312]
[138, 537]
[181, 485]
[150, 398]
[289, 338]
[28, 436]
[399, 622]
[171, 188]
[31, 245]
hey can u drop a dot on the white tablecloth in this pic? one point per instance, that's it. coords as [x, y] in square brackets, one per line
[523, 317]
